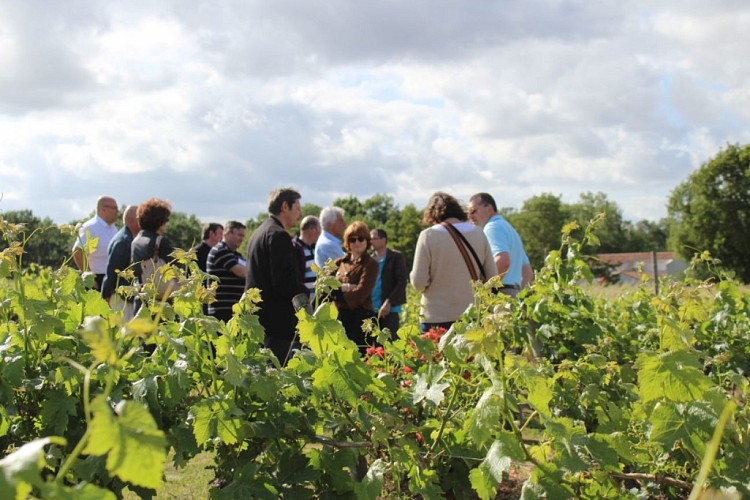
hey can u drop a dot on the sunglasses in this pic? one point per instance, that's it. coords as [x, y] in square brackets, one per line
[355, 239]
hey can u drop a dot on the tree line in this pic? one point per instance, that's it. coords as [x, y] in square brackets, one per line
[538, 222]
[708, 211]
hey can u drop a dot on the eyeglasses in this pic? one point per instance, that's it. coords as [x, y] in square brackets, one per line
[355, 239]
[110, 206]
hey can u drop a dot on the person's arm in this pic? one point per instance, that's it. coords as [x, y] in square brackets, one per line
[357, 294]
[286, 280]
[502, 262]
[420, 271]
[239, 270]
[78, 257]
[527, 275]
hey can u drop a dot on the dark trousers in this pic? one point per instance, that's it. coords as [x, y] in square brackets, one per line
[352, 320]
[390, 321]
[282, 345]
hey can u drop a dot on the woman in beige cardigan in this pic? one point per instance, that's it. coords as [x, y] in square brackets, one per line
[440, 272]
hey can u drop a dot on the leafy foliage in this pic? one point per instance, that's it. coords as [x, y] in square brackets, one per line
[640, 395]
[710, 210]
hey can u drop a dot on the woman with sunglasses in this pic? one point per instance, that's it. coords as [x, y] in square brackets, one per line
[357, 272]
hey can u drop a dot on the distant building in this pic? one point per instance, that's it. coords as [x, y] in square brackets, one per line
[628, 268]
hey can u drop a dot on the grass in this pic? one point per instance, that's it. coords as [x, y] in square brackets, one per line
[190, 482]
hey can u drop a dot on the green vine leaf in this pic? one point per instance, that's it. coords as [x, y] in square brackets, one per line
[135, 447]
[371, 485]
[675, 376]
[99, 339]
[21, 470]
[486, 416]
[428, 386]
[215, 417]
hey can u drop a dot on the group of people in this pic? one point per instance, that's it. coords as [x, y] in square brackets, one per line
[457, 247]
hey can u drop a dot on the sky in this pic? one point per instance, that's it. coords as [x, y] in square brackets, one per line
[211, 105]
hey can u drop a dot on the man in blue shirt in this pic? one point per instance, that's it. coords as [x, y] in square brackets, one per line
[510, 257]
[328, 245]
[389, 293]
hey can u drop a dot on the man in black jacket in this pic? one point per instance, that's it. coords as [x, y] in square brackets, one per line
[389, 293]
[272, 267]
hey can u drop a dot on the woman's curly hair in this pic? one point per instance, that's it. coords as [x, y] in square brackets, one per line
[440, 207]
[153, 213]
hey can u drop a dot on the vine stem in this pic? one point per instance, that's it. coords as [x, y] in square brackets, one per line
[73, 456]
[343, 444]
[444, 420]
[713, 448]
[346, 413]
[653, 477]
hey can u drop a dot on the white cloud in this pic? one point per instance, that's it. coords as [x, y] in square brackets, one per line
[212, 105]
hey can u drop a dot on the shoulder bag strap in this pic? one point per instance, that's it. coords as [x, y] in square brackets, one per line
[461, 243]
[473, 253]
[155, 256]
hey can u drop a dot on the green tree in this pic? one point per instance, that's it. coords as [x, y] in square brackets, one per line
[403, 232]
[646, 235]
[611, 231]
[711, 211]
[539, 223]
[184, 231]
[354, 208]
[380, 210]
[49, 247]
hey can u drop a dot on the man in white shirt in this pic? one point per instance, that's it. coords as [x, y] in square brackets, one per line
[102, 228]
[328, 245]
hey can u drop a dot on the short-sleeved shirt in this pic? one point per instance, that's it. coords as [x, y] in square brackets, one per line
[231, 287]
[504, 238]
[97, 228]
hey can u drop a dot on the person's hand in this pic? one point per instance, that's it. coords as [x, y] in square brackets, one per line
[385, 309]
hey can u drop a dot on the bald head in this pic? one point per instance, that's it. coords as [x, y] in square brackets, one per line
[130, 219]
[309, 229]
[106, 208]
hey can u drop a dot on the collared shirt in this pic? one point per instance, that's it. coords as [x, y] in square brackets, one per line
[327, 247]
[97, 228]
[504, 238]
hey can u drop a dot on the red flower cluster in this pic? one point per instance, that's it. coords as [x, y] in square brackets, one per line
[434, 334]
[375, 351]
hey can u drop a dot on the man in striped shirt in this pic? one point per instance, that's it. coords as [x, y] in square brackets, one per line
[304, 243]
[227, 264]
